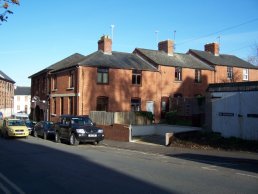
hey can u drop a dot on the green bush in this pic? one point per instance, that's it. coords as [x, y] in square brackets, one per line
[171, 117]
[146, 114]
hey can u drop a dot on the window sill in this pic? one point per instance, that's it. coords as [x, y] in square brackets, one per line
[102, 83]
[53, 115]
[70, 88]
[178, 81]
[137, 85]
[54, 90]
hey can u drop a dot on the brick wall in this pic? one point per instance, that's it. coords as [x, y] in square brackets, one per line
[221, 74]
[116, 132]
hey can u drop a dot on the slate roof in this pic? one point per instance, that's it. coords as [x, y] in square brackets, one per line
[117, 60]
[5, 77]
[177, 60]
[23, 91]
[65, 63]
[222, 59]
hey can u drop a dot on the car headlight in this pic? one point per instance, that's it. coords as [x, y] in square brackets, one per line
[100, 130]
[80, 131]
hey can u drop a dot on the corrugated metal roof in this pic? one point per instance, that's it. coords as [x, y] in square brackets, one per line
[222, 59]
[232, 87]
[175, 60]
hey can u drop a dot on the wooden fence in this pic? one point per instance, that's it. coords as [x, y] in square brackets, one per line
[110, 118]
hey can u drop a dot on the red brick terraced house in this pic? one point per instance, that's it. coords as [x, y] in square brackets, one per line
[227, 68]
[41, 87]
[113, 81]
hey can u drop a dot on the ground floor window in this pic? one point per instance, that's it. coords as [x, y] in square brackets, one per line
[70, 105]
[102, 103]
[135, 104]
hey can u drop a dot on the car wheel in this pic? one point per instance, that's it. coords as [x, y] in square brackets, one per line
[6, 136]
[35, 134]
[96, 142]
[44, 135]
[57, 138]
[73, 140]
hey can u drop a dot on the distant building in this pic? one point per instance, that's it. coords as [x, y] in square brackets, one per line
[6, 95]
[21, 100]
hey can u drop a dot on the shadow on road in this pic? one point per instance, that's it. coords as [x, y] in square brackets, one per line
[244, 164]
[40, 169]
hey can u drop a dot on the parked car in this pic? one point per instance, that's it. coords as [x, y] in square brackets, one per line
[77, 129]
[44, 129]
[14, 128]
[30, 125]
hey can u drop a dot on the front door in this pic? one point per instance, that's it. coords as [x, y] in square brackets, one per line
[150, 106]
[164, 106]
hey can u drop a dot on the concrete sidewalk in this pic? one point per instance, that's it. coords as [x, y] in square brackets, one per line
[175, 151]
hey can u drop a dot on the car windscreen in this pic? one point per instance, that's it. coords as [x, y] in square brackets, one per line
[81, 121]
[50, 125]
[16, 123]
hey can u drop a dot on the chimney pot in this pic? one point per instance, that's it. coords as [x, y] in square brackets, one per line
[105, 44]
[166, 46]
[212, 48]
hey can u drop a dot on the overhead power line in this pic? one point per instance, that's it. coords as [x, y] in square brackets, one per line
[217, 32]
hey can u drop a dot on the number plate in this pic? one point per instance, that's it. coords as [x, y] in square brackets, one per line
[92, 135]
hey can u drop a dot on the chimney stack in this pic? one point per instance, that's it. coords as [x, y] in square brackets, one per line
[212, 48]
[167, 46]
[105, 44]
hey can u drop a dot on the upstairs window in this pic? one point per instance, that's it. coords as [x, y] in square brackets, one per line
[178, 73]
[230, 73]
[198, 76]
[136, 77]
[71, 79]
[54, 82]
[103, 76]
[245, 74]
[135, 104]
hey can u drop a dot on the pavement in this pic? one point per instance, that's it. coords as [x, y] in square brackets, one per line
[159, 149]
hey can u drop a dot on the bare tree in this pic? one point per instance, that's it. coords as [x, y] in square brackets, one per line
[253, 59]
[236, 77]
[5, 4]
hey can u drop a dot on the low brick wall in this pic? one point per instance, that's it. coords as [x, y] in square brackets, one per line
[116, 132]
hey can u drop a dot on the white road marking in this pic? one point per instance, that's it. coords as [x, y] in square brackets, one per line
[14, 186]
[4, 189]
[211, 168]
[248, 175]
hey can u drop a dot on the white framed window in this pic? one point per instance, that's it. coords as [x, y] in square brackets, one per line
[178, 74]
[245, 74]
[198, 76]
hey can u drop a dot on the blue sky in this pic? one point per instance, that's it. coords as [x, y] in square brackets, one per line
[40, 33]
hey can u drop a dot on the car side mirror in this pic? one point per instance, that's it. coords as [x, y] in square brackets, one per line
[93, 124]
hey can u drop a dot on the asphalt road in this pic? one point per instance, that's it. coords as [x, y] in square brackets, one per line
[35, 166]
